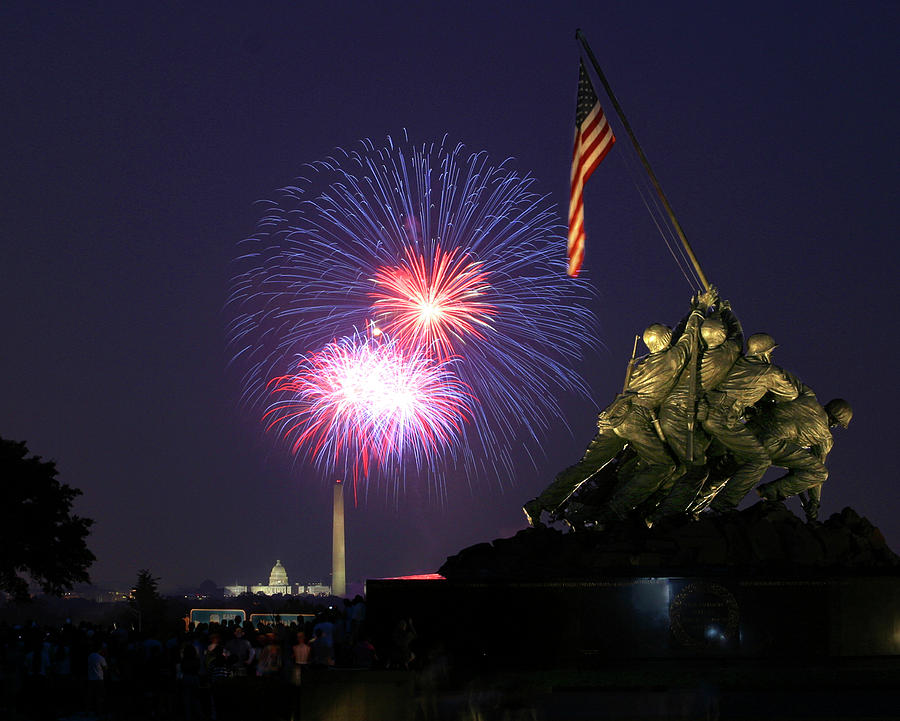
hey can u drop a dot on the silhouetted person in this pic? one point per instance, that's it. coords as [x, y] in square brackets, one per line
[401, 639]
[189, 670]
[321, 654]
[96, 679]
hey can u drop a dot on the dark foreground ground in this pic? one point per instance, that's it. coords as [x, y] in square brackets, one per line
[846, 689]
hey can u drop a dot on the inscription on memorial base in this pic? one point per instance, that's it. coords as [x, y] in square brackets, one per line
[704, 616]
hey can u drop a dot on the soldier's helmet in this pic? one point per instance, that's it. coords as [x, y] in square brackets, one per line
[657, 337]
[839, 410]
[760, 343]
[713, 332]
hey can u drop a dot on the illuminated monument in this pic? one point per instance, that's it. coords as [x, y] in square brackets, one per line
[279, 584]
[338, 556]
[278, 578]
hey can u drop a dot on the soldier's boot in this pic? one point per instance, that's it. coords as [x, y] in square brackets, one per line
[532, 511]
[706, 496]
[682, 496]
[810, 507]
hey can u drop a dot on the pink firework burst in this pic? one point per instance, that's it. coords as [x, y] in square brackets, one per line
[434, 303]
[370, 402]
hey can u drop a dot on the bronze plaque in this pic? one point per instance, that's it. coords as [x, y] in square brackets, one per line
[704, 616]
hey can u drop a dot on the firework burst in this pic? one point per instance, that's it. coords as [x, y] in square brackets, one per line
[439, 250]
[360, 401]
[435, 306]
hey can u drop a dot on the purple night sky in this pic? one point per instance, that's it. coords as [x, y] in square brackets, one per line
[136, 142]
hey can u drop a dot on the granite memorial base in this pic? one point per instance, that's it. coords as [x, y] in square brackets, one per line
[565, 622]
[760, 583]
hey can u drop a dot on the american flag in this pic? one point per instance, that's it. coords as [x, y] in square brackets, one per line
[593, 139]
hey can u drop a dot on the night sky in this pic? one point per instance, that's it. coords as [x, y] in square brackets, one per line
[138, 137]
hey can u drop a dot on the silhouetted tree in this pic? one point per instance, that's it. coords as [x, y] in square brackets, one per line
[146, 601]
[40, 538]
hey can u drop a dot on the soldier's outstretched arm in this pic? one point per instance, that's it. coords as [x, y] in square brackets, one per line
[679, 329]
[690, 327]
[734, 331]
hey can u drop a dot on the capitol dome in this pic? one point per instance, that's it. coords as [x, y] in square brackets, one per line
[278, 577]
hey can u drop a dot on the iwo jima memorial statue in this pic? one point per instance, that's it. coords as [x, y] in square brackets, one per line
[695, 428]
[654, 557]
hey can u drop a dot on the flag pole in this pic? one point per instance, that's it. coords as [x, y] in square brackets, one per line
[646, 163]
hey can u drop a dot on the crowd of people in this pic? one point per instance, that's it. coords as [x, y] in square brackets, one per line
[202, 671]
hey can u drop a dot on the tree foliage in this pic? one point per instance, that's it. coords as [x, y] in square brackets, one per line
[41, 539]
[145, 590]
[145, 599]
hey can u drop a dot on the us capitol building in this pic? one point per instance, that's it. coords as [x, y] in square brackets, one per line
[279, 584]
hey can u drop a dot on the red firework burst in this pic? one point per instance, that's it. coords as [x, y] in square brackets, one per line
[433, 304]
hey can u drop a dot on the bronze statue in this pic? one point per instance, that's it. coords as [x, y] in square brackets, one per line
[631, 419]
[722, 409]
[797, 437]
[695, 428]
[723, 340]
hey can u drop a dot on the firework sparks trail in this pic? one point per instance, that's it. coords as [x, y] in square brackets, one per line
[432, 247]
[370, 401]
[434, 307]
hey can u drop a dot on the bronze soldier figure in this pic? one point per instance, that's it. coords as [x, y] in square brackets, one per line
[797, 437]
[721, 411]
[630, 419]
[723, 340]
